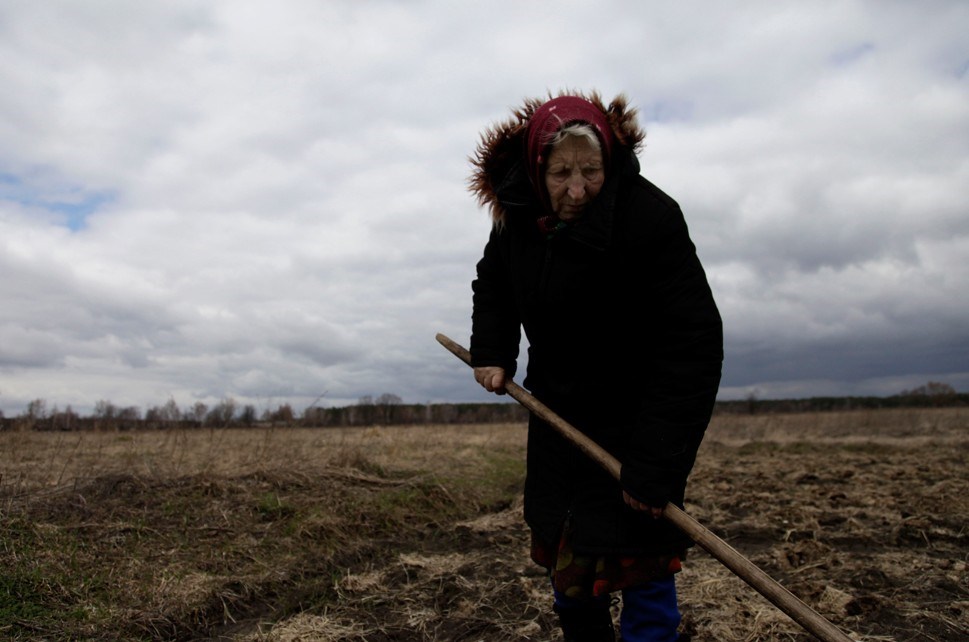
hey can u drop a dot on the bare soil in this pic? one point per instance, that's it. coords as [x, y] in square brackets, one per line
[415, 533]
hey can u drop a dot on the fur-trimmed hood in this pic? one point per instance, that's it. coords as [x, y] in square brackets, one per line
[499, 157]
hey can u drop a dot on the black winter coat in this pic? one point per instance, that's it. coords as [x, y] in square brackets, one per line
[624, 342]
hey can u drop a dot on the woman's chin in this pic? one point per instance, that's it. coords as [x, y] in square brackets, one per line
[570, 212]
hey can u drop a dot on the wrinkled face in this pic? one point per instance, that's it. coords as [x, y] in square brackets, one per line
[574, 175]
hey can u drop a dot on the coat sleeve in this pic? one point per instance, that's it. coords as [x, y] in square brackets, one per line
[495, 322]
[681, 357]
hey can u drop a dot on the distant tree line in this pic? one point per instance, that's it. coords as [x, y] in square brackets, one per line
[932, 394]
[388, 410]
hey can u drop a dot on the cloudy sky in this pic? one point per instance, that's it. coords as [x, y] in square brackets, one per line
[267, 201]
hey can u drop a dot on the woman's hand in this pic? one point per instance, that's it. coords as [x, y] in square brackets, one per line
[635, 504]
[491, 378]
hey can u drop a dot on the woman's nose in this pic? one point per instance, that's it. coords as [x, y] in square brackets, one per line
[576, 186]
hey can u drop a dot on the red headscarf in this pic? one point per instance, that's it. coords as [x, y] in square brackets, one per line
[551, 117]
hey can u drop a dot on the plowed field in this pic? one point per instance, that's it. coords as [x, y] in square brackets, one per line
[415, 533]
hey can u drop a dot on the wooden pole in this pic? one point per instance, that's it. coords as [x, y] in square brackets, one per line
[811, 620]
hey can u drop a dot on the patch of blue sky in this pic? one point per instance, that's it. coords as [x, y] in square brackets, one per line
[664, 111]
[70, 207]
[74, 214]
[849, 55]
[962, 69]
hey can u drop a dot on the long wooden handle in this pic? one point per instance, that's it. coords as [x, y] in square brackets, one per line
[811, 620]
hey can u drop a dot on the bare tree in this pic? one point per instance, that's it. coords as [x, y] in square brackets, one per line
[169, 413]
[199, 410]
[248, 415]
[386, 403]
[931, 389]
[129, 417]
[66, 420]
[106, 410]
[283, 414]
[37, 409]
[222, 413]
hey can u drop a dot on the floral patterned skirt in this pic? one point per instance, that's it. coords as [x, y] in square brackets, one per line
[586, 576]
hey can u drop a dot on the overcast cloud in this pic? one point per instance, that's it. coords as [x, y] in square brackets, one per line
[267, 201]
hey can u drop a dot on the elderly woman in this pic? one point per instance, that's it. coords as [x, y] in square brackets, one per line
[625, 342]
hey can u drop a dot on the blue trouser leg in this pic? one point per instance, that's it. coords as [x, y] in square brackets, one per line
[650, 612]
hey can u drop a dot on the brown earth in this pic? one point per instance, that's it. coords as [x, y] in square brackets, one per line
[415, 533]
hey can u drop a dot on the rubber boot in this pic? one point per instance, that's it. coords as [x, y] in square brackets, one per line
[586, 623]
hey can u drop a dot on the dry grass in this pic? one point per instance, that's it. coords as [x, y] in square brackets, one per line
[415, 533]
[39, 461]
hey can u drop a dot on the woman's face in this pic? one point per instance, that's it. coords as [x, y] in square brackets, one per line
[574, 175]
